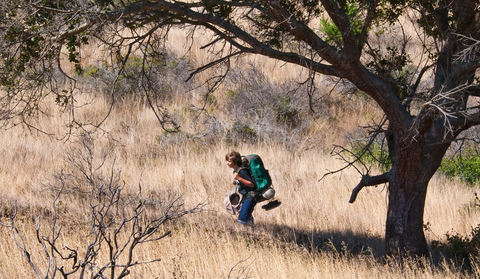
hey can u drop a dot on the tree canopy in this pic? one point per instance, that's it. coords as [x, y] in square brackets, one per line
[424, 78]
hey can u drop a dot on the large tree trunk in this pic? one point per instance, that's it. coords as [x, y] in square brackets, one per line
[416, 161]
[404, 227]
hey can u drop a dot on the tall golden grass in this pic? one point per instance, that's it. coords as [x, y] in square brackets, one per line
[315, 233]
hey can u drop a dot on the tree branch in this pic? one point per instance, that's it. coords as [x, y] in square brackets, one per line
[366, 25]
[368, 180]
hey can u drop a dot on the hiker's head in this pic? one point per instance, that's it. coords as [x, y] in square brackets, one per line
[234, 157]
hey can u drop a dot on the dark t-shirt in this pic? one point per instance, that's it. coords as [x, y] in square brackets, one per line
[245, 174]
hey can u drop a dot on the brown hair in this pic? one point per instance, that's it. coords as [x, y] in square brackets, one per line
[235, 157]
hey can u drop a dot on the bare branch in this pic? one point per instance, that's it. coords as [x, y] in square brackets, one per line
[241, 269]
[376, 131]
[211, 64]
[368, 180]
[19, 241]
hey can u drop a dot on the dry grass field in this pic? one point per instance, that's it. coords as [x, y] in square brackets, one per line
[315, 233]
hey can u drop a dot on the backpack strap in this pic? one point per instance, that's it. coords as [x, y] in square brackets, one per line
[251, 175]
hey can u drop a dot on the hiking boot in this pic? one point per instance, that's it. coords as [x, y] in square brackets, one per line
[271, 205]
[246, 223]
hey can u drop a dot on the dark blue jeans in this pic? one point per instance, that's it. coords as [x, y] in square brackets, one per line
[245, 215]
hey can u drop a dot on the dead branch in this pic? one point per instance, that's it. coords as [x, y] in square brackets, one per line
[374, 132]
[17, 237]
[368, 180]
[241, 269]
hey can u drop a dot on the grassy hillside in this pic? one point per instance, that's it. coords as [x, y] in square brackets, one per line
[315, 233]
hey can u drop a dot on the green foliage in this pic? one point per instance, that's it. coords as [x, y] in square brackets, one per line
[375, 154]
[230, 93]
[271, 33]
[332, 32]
[402, 75]
[389, 11]
[220, 10]
[240, 131]
[465, 165]
[302, 10]
[286, 113]
[134, 64]
[92, 71]
[210, 102]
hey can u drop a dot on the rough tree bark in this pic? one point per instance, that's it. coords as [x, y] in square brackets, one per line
[406, 201]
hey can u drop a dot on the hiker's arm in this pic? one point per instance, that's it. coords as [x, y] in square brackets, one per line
[244, 181]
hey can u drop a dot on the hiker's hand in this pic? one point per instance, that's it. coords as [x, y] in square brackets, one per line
[245, 182]
[235, 177]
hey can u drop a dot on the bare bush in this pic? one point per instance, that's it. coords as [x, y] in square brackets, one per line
[117, 222]
[260, 109]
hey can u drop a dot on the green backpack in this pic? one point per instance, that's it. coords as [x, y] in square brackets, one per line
[259, 174]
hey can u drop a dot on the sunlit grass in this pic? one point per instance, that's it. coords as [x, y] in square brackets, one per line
[315, 233]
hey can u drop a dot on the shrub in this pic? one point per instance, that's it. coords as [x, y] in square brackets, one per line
[462, 249]
[240, 131]
[286, 113]
[278, 112]
[464, 165]
[157, 77]
[91, 71]
[118, 222]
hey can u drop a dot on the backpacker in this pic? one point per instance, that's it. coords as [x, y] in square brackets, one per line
[261, 177]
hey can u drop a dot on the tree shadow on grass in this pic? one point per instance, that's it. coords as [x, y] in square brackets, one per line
[345, 243]
[317, 240]
[314, 241]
